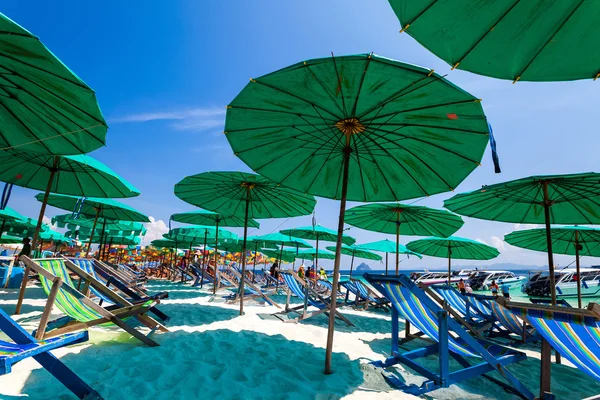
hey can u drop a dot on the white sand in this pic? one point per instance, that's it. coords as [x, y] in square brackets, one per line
[213, 352]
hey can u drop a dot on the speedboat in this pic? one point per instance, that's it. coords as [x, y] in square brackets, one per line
[432, 278]
[483, 279]
[566, 283]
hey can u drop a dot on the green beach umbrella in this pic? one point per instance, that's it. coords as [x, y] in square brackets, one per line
[203, 217]
[387, 246]
[358, 252]
[453, 247]
[6, 239]
[280, 241]
[288, 256]
[571, 240]
[8, 215]
[163, 243]
[542, 199]
[396, 218]
[359, 128]
[83, 223]
[45, 106]
[318, 233]
[79, 175]
[243, 194]
[518, 40]
[314, 254]
[127, 240]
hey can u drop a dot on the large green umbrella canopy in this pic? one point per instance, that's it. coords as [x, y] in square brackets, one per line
[199, 234]
[243, 194]
[285, 255]
[543, 199]
[83, 223]
[360, 127]
[203, 217]
[387, 246]
[91, 207]
[314, 253]
[519, 40]
[128, 240]
[45, 106]
[396, 218]
[10, 240]
[358, 252]
[571, 240]
[280, 241]
[453, 247]
[8, 215]
[163, 243]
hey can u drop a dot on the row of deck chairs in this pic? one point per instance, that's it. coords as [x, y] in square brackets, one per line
[447, 318]
[101, 295]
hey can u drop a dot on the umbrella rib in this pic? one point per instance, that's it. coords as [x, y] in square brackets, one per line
[362, 80]
[326, 90]
[268, 110]
[548, 41]
[556, 188]
[38, 139]
[362, 179]
[340, 86]
[292, 95]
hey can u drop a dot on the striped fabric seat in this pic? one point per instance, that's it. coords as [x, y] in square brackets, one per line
[11, 353]
[88, 266]
[482, 305]
[65, 301]
[299, 291]
[509, 319]
[365, 294]
[421, 317]
[575, 337]
[465, 306]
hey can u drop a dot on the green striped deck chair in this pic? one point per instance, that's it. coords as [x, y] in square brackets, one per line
[81, 312]
[251, 291]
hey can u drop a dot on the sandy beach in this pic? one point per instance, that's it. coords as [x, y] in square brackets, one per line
[212, 352]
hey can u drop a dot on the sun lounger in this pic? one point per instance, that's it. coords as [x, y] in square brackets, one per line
[81, 311]
[513, 323]
[251, 290]
[90, 266]
[297, 286]
[368, 297]
[470, 308]
[477, 357]
[23, 346]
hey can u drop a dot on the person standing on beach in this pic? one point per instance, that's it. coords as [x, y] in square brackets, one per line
[461, 286]
[494, 288]
[26, 250]
[505, 291]
[323, 274]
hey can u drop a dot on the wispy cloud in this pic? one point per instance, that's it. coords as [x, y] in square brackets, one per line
[155, 229]
[197, 119]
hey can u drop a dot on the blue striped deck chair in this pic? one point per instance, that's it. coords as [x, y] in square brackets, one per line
[81, 312]
[514, 324]
[368, 297]
[201, 276]
[251, 291]
[477, 357]
[89, 266]
[572, 332]
[23, 345]
[350, 289]
[298, 287]
[465, 306]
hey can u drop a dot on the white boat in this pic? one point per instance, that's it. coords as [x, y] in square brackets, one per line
[483, 279]
[432, 278]
[566, 283]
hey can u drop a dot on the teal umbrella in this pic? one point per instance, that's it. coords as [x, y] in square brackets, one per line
[282, 255]
[316, 254]
[6, 239]
[280, 241]
[571, 240]
[45, 106]
[387, 246]
[203, 217]
[318, 233]
[239, 193]
[356, 251]
[395, 218]
[453, 247]
[8, 215]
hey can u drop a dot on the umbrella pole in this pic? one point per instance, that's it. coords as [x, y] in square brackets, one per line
[109, 246]
[254, 263]
[244, 252]
[398, 245]
[102, 239]
[41, 247]
[2, 228]
[546, 356]
[215, 283]
[203, 259]
[294, 265]
[316, 254]
[36, 234]
[351, 265]
[386, 263]
[578, 269]
[87, 253]
[338, 254]
[449, 263]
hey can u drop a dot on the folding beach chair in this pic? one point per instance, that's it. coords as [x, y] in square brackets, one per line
[477, 357]
[251, 290]
[514, 324]
[298, 287]
[471, 308]
[81, 311]
[573, 332]
[369, 298]
[24, 345]
[90, 266]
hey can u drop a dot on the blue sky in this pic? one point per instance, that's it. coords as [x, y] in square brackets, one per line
[164, 71]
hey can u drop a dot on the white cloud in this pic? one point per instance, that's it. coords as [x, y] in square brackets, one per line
[480, 240]
[197, 119]
[498, 243]
[521, 227]
[155, 230]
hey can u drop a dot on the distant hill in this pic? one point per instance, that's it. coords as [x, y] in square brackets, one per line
[363, 267]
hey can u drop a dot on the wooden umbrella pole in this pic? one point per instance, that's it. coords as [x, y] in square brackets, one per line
[109, 247]
[578, 272]
[36, 234]
[386, 262]
[2, 228]
[449, 263]
[338, 253]
[254, 263]
[87, 253]
[102, 240]
[351, 265]
[316, 254]
[215, 283]
[398, 245]
[244, 251]
[203, 259]
[546, 354]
